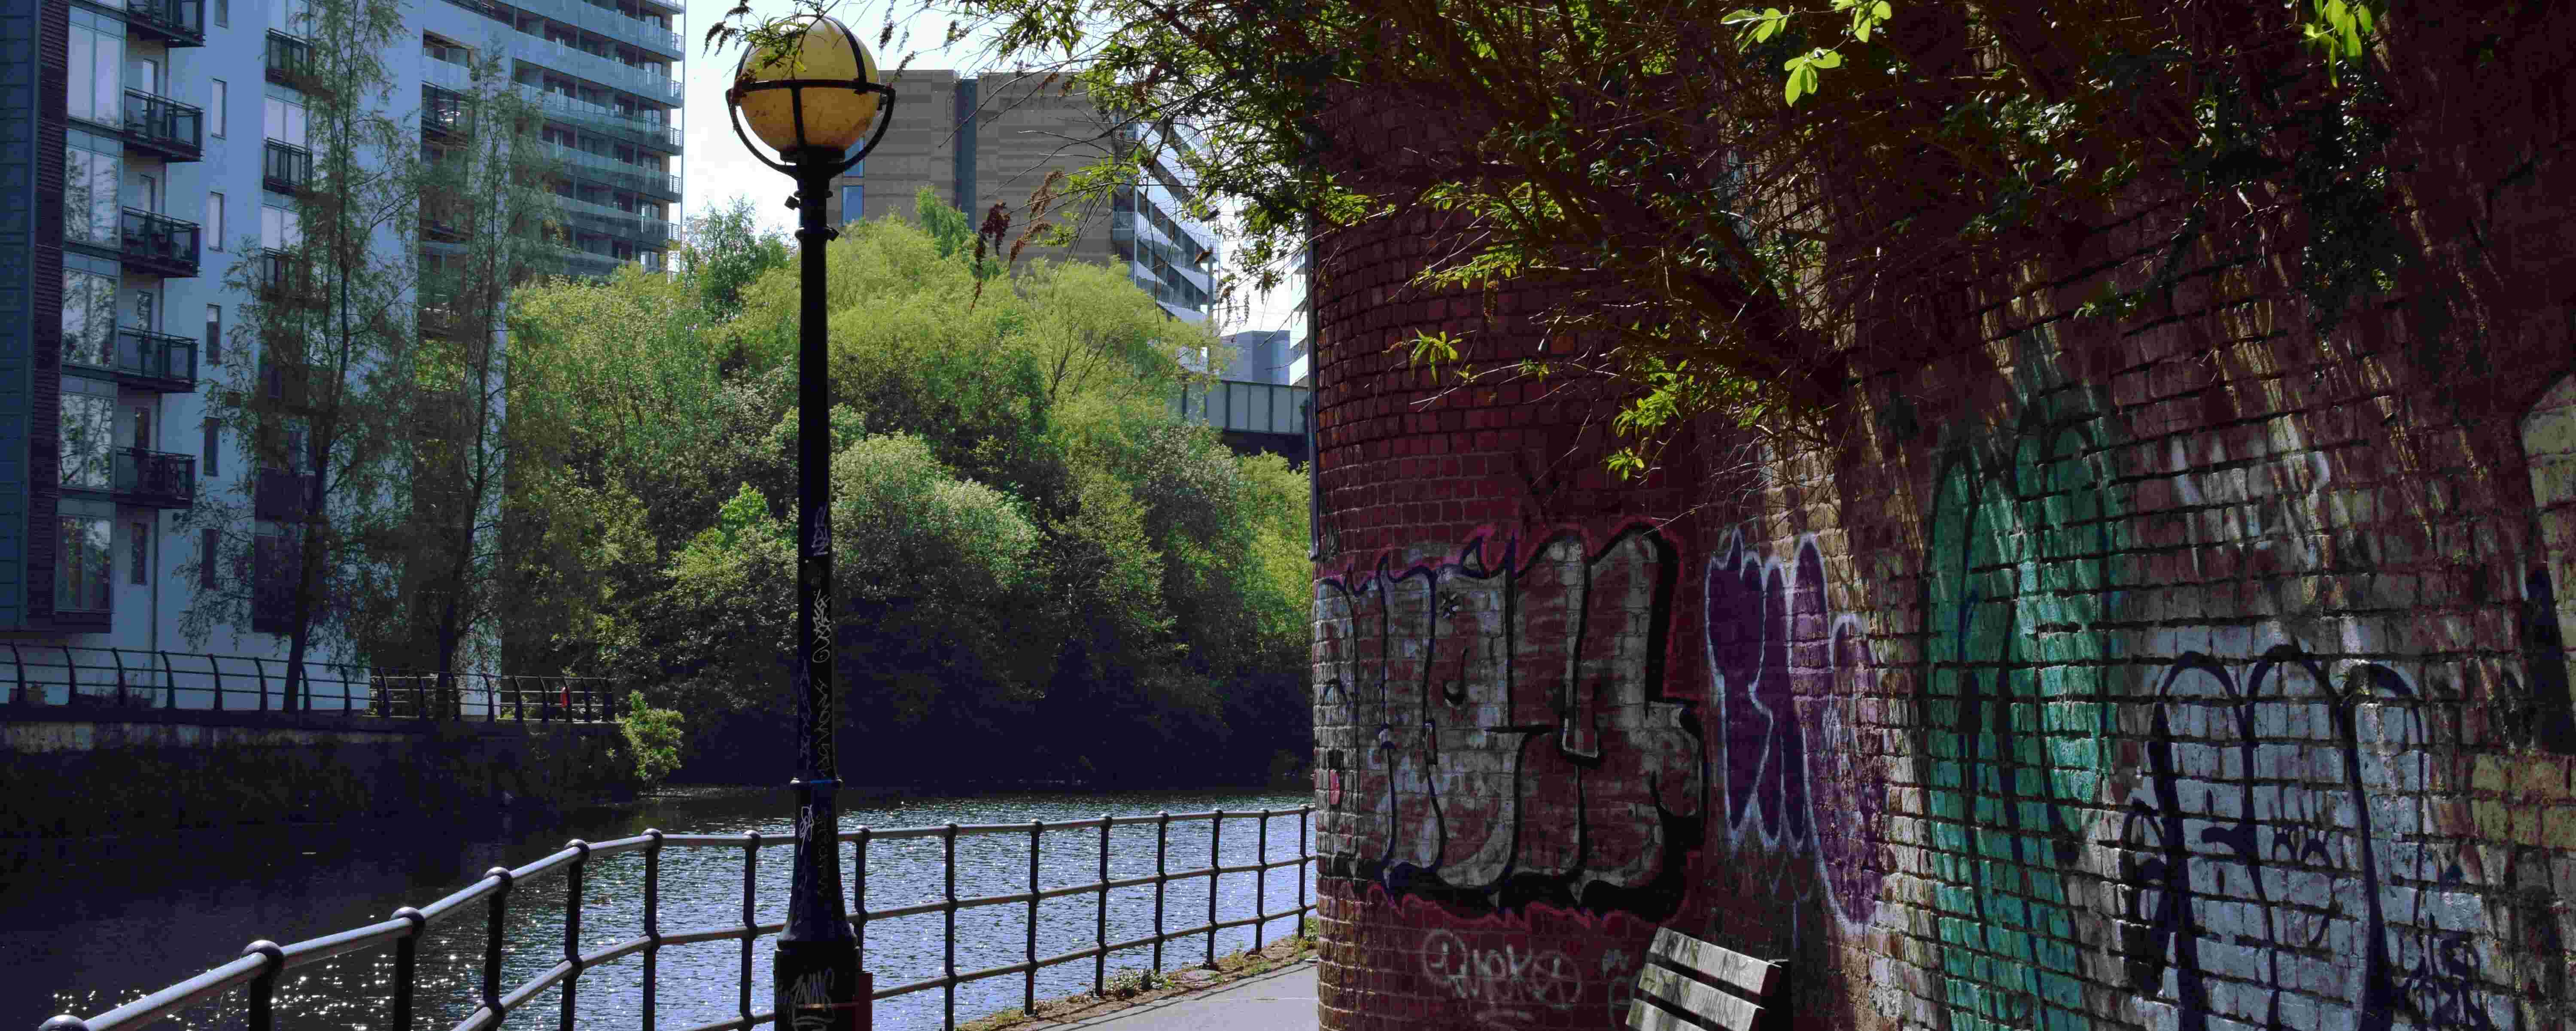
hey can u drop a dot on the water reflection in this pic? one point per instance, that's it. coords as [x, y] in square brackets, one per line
[93, 924]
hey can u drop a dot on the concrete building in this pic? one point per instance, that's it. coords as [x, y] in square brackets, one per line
[148, 149]
[977, 141]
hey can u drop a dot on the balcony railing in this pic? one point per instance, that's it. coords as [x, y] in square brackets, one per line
[287, 384]
[616, 221]
[600, 168]
[606, 71]
[285, 167]
[179, 23]
[156, 361]
[160, 244]
[608, 22]
[290, 61]
[444, 115]
[153, 479]
[649, 130]
[285, 280]
[164, 126]
[282, 497]
[38, 681]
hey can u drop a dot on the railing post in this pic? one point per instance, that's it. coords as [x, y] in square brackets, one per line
[652, 920]
[1305, 856]
[1100, 918]
[1216, 858]
[259, 668]
[169, 682]
[18, 660]
[572, 927]
[519, 702]
[1261, 881]
[1162, 842]
[493, 930]
[215, 663]
[1029, 981]
[263, 986]
[859, 898]
[406, 965]
[750, 872]
[948, 968]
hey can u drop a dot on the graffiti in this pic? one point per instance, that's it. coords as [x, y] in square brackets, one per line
[1789, 678]
[1517, 744]
[1505, 980]
[2017, 581]
[810, 1002]
[2233, 752]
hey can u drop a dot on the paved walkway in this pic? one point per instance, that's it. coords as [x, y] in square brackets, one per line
[1282, 999]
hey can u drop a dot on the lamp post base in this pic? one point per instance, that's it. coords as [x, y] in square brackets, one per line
[819, 987]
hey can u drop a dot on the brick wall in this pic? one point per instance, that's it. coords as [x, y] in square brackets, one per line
[2183, 671]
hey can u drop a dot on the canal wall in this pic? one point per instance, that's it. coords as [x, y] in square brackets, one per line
[2182, 669]
[148, 772]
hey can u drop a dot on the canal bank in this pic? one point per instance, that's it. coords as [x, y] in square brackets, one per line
[147, 772]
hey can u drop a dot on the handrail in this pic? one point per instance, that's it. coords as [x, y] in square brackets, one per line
[40, 680]
[262, 962]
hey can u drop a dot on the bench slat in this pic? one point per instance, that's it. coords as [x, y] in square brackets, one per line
[1725, 1011]
[1755, 977]
[1645, 1015]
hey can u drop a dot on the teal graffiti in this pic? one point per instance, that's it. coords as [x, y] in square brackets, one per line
[2017, 582]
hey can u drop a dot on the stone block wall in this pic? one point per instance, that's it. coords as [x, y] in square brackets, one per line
[2185, 670]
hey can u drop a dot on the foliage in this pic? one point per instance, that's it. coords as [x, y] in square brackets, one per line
[723, 251]
[657, 739]
[1731, 204]
[1035, 563]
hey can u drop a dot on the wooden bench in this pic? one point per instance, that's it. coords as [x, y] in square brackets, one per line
[1688, 984]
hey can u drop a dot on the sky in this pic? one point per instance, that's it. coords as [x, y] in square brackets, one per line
[717, 168]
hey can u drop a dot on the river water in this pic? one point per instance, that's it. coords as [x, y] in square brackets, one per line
[88, 925]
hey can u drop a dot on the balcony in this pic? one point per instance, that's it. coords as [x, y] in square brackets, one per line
[160, 244]
[155, 361]
[600, 168]
[606, 21]
[285, 168]
[286, 385]
[152, 479]
[179, 23]
[614, 221]
[290, 62]
[651, 130]
[444, 116]
[161, 126]
[282, 497]
[285, 280]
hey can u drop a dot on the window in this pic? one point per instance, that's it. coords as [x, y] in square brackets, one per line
[215, 112]
[290, 16]
[214, 221]
[89, 317]
[213, 449]
[223, 19]
[151, 193]
[90, 174]
[81, 566]
[138, 562]
[284, 121]
[96, 82]
[853, 202]
[143, 438]
[214, 336]
[209, 544]
[279, 228]
[88, 433]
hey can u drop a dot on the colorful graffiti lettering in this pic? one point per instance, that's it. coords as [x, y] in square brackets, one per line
[1523, 750]
[1789, 677]
[1506, 979]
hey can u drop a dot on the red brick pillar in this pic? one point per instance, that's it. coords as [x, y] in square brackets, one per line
[1509, 785]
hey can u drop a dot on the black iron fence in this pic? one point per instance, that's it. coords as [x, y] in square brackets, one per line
[38, 680]
[258, 970]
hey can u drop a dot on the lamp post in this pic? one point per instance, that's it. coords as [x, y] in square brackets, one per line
[811, 96]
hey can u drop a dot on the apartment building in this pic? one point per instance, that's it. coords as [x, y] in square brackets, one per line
[981, 140]
[147, 150]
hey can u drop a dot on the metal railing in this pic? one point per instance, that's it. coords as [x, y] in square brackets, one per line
[285, 167]
[154, 361]
[263, 962]
[290, 60]
[152, 479]
[159, 243]
[177, 22]
[164, 126]
[39, 681]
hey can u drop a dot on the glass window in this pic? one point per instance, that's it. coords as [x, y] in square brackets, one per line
[89, 318]
[290, 16]
[214, 336]
[89, 196]
[213, 448]
[88, 433]
[223, 18]
[279, 228]
[138, 561]
[854, 199]
[81, 567]
[209, 544]
[214, 221]
[96, 80]
[284, 121]
[215, 112]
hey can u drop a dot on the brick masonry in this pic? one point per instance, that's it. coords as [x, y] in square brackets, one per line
[2184, 671]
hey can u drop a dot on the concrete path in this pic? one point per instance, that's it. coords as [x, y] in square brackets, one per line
[1282, 1000]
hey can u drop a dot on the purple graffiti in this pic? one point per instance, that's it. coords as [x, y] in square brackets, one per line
[1789, 678]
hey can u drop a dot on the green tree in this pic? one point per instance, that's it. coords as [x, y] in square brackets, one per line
[723, 251]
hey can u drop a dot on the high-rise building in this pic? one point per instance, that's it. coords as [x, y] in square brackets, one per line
[148, 149]
[978, 141]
